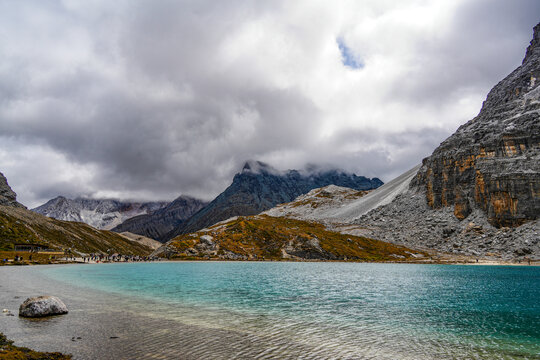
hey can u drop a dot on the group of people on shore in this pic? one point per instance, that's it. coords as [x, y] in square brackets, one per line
[17, 258]
[97, 258]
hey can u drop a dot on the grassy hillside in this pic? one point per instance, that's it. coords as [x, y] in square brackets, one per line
[264, 237]
[8, 351]
[19, 225]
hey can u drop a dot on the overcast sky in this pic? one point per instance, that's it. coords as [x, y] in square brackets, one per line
[153, 99]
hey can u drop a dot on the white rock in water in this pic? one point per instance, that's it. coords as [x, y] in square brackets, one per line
[42, 306]
[207, 239]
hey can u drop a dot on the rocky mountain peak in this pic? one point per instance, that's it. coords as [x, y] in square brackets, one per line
[258, 167]
[259, 186]
[8, 197]
[534, 47]
[99, 213]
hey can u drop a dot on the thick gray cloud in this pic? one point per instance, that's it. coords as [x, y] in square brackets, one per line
[150, 99]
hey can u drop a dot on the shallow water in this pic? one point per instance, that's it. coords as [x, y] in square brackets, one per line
[303, 310]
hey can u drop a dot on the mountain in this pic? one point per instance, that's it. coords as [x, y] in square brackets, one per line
[100, 213]
[19, 225]
[259, 187]
[155, 225]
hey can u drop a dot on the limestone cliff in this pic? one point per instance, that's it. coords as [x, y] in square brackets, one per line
[493, 161]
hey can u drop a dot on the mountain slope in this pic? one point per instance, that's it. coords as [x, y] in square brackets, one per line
[100, 213]
[263, 237]
[259, 187]
[142, 240]
[162, 221]
[339, 205]
[21, 226]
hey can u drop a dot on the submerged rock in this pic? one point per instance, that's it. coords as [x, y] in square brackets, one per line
[42, 306]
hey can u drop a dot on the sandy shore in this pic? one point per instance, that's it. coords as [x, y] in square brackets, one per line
[103, 325]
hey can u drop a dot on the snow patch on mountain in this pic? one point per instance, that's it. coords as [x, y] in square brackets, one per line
[103, 214]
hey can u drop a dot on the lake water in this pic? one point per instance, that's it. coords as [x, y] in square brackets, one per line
[332, 310]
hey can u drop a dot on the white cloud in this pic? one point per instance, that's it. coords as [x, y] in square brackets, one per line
[150, 99]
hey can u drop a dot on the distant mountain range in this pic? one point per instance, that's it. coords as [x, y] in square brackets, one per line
[259, 187]
[256, 188]
[100, 213]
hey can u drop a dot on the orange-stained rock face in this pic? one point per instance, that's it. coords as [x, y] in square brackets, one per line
[462, 207]
[506, 189]
[493, 161]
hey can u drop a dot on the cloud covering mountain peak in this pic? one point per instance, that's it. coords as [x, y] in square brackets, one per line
[144, 100]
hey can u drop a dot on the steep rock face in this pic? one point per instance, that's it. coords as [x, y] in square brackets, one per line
[7, 195]
[100, 213]
[158, 223]
[259, 187]
[493, 161]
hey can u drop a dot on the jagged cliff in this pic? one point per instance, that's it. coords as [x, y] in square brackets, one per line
[493, 161]
[7, 195]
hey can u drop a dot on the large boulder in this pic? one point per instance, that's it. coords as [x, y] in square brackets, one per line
[42, 306]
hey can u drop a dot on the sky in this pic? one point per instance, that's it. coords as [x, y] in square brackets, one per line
[150, 99]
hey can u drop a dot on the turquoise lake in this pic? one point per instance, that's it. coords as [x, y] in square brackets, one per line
[339, 310]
